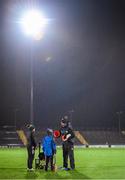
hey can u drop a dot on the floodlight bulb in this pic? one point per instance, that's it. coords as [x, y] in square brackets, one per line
[33, 23]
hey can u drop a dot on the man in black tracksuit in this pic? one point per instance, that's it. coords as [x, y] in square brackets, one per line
[31, 146]
[67, 144]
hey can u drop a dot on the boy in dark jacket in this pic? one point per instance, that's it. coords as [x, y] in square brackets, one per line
[49, 148]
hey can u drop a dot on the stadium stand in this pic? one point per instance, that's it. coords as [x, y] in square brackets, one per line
[103, 137]
[98, 137]
[9, 137]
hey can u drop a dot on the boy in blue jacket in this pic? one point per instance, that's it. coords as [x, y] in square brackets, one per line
[49, 148]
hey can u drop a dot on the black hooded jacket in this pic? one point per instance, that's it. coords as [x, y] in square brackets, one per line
[65, 131]
[31, 139]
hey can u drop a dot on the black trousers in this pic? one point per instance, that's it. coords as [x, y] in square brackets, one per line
[68, 151]
[31, 153]
[48, 159]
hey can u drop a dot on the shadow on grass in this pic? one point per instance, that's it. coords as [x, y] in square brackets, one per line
[77, 175]
[40, 174]
[80, 167]
[17, 173]
[31, 175]
[70, 175]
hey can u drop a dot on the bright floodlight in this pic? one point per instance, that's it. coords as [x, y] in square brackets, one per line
[33, 23]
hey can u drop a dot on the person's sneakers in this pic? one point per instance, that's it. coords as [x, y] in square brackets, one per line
[30, 169]
[66, 169]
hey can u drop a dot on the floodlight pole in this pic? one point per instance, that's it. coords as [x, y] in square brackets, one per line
[27, 23]
[31, 84]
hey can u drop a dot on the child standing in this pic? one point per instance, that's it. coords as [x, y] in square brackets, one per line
[49, 148]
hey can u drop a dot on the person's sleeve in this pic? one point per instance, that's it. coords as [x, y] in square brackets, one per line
[28, 138]
[34, 141]
[72, 135]
[43, 145]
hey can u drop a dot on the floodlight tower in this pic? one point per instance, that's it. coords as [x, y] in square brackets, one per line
[33, 24]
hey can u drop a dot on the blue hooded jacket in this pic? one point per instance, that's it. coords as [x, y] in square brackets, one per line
[49, 146]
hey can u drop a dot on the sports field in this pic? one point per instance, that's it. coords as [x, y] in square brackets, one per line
[108, 163]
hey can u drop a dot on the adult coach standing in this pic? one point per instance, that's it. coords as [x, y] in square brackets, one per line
[67, 135]
[31, 146]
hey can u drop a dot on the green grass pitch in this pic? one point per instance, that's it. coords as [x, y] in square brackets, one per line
[100, 163]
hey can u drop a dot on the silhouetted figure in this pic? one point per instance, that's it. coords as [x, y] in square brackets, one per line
[67, 144]
[31, 146]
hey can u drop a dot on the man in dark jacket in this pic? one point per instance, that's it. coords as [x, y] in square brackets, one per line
[31, 146]
[67, 144]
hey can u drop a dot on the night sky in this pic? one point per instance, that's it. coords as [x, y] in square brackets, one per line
[79, 64]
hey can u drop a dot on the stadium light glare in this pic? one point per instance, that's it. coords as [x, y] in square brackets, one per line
[33, 23]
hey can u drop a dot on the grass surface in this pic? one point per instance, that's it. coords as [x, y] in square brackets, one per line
[101, 163]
